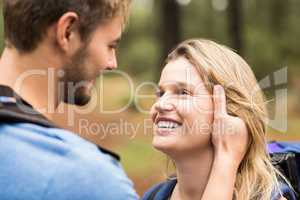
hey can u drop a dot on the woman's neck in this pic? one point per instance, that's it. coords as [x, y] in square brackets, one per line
[192, 175]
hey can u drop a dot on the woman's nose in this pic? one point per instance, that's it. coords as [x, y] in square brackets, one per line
[163, 105]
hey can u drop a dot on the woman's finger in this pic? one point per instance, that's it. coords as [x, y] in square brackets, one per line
[219, 101]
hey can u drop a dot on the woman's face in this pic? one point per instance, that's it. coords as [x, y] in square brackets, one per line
[183, 112]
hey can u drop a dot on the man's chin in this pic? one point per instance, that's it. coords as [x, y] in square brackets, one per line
[82, 100]
[80, 97]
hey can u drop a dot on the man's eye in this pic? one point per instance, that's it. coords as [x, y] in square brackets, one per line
[113, 46]
[159, 93]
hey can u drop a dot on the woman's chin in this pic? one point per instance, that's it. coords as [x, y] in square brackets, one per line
[166, 145]
[174, 145]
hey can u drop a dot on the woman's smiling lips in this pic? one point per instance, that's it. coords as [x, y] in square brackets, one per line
[166, 126]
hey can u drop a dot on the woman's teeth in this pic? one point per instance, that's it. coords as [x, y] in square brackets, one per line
[167, 125]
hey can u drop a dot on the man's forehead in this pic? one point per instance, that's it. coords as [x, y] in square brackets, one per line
[111, 30]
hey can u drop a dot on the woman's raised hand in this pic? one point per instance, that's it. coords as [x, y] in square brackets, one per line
[230, 136]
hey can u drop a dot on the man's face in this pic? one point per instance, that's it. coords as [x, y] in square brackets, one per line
[90, 61]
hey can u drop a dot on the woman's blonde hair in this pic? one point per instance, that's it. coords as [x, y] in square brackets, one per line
[257, 178]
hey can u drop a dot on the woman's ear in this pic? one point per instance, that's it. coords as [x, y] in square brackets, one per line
[67, 33]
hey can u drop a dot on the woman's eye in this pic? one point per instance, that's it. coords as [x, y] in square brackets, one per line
[184, 92]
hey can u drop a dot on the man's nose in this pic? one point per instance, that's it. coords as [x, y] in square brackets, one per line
[112, 62]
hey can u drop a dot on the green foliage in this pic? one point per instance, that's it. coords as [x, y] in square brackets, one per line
[1, 31]
[270, 35]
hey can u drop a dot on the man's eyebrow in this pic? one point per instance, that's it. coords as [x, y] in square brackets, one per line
[117, 41]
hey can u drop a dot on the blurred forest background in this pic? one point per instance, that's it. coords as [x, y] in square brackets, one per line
[266, 33]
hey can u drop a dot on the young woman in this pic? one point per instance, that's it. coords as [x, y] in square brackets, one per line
[210, 120]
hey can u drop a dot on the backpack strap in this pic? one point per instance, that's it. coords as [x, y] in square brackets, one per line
[154, 192]
[14, 109]
[11, 113]
[286, 163]
[161, 191]
[285, 191]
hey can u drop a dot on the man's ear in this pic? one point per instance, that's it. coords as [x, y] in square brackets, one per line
[67, 33]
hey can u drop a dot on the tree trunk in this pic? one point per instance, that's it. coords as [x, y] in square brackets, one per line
[235, 22]
[279, 12]
[169, 30]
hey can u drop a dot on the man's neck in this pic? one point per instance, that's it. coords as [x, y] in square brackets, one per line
[193, 174]
[32, 76]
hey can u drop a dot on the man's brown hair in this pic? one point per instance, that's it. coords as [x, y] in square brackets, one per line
[26, 21]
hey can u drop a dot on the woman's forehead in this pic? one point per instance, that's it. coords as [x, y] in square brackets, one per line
[179, 72]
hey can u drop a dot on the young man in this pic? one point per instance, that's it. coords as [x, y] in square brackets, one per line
[76, 39]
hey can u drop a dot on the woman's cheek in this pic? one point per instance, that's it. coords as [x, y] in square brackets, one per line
[194, 106]
[197, 116]
[185, 106]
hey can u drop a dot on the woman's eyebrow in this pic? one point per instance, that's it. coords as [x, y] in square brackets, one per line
[176, 85]
[186, 85]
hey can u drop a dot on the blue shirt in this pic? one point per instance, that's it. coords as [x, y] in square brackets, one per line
[40, 163]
